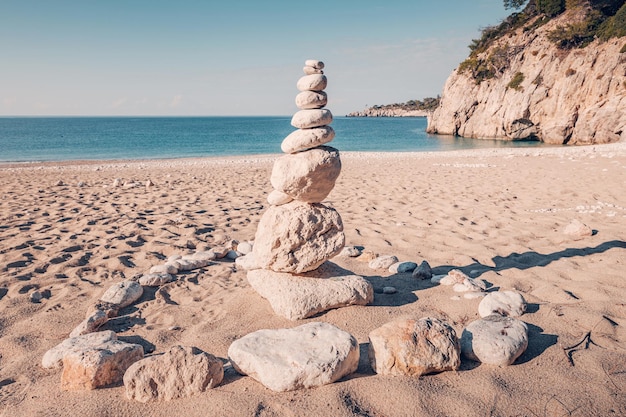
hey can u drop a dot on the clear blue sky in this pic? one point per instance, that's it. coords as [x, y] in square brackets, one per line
[195, 57]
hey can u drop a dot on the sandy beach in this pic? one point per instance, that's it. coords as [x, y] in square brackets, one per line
[67, 232]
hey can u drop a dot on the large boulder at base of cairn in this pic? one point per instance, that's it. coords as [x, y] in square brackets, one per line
[414, 347]
[300, 296]
[306, 356]
[180, 372]
[297, 237]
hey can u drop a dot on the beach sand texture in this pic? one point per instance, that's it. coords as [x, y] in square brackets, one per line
[68, 233]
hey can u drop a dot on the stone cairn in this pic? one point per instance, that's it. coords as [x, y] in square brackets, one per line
[298, 234]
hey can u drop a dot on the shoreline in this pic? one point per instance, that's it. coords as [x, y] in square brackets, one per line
[618, 147]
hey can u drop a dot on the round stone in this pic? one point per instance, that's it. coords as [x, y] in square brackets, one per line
[304, 139]
[311, 99]
[495, 340]
[312, 82]
[305, 119]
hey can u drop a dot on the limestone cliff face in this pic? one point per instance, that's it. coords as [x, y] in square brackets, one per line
[574, 97]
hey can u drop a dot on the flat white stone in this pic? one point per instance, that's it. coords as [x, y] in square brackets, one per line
[306, 356]
[311, 100]
[414, 347]
[155, 280]
[383, 262]
[495, 340]
[278, 198]
[504, 303]
[312, 82]
[307, 176]
[244, 247]
[304, 139]
[167, 268]
[247, 262]
[122, 294]
[205, 256]
[350, 251]
[306, 119]
[469, 284]
[91, 324]
[297, 297]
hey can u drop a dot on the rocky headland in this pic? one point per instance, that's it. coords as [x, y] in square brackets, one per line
[539, 77]
[412, 108]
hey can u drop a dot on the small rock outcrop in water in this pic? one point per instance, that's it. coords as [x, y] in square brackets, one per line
[538, 91]
[412, 108]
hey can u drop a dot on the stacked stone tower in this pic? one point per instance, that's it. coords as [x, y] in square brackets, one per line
[297, 234]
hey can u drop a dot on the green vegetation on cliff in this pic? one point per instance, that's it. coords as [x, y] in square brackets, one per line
[601, 19]
[427, 104]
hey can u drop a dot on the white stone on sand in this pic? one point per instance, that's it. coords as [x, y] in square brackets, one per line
[504, 303]
[122, 294]
[300, 296]
[278, 198]
[383, 262]
[495, 340]
[306, 356]
[155, 280]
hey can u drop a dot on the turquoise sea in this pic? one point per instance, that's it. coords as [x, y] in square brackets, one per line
[90, 138]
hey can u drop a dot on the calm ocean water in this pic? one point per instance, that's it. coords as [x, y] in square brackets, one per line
[78, 138]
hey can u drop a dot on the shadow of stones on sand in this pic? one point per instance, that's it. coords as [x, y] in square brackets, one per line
[538, 342]
[527, 260]
[230, 374]
[147, 346]
[123, 323]
[404, 284]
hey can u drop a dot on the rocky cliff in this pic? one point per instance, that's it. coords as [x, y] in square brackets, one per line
[538, 90]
